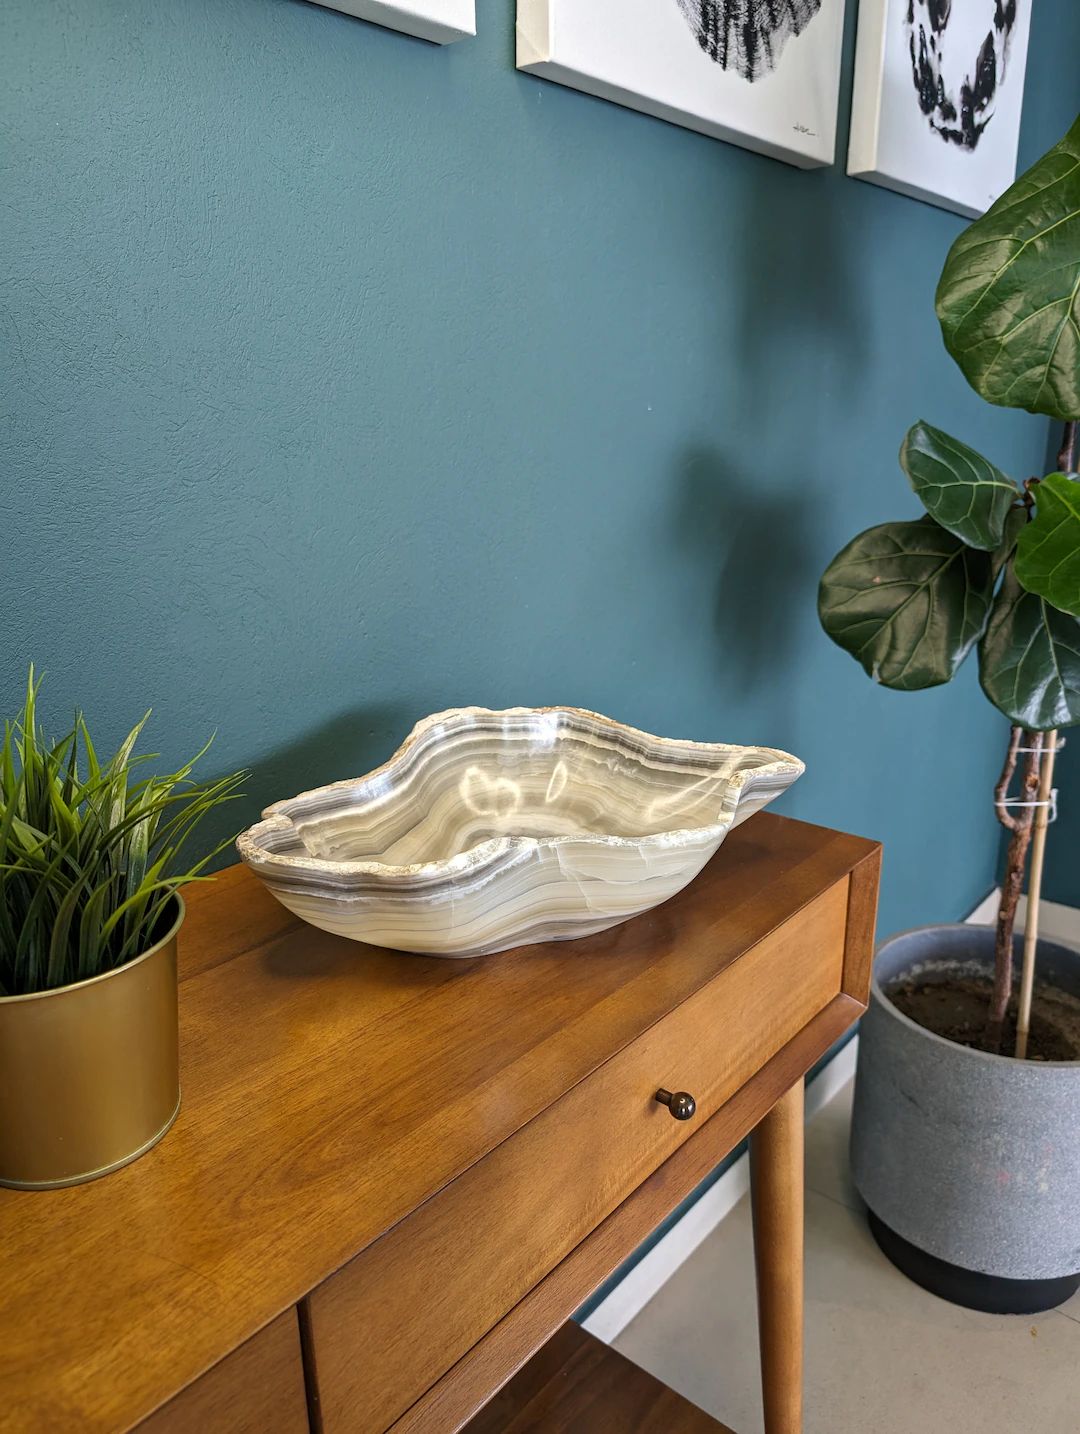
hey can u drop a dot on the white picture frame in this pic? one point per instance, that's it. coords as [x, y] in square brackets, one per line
[911, 130]
[655, 56]
[442, 21]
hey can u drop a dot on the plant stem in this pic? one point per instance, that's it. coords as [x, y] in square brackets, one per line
[1066, 460]
[1013, 880]
[1001, 791]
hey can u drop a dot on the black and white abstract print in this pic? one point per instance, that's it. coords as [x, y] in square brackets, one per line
[747, 36]
[959, 50]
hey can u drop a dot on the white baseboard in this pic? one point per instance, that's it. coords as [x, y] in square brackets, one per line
[632, 1294]
[1057, 922]
[985, 914]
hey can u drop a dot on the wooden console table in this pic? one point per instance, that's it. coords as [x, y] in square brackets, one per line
[394, 1178]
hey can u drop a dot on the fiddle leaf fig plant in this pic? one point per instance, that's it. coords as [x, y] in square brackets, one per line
[1029, 659]
[1048, 549]
[1007, 300]
[994, 565]
[959, 488]
[908, 601]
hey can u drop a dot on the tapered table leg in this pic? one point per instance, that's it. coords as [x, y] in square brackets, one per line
[776, 1172]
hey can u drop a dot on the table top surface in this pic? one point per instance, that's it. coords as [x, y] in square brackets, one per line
[328, 1089]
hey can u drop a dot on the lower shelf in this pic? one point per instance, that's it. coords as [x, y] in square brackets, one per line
[576, 1383]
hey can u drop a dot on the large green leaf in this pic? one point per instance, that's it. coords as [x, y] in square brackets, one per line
[1048, 551]
[1009, 295]
[1029, 660]
[908, 601]
[957, 486]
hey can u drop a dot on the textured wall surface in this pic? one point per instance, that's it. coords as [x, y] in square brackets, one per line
[346, 378]
[1061, 877]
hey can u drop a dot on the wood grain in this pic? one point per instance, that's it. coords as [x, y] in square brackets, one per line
[226, 917]
[776, 1183]
[329, 1090]
[462, 1390]
[258, 1389]
[862, 920]
[418, 1299]
[576, 1383]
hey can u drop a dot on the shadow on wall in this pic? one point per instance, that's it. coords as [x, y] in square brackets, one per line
[755, 514]
[802, 317]
[755, 541]
[348, 745]
[345, 746]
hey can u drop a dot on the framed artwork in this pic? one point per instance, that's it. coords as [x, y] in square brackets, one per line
[939, 86]
[438, 20]
[754, 72]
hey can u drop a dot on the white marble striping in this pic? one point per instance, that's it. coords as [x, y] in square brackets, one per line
[489, 829]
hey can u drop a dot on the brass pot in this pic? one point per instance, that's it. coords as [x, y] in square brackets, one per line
[89, 1073]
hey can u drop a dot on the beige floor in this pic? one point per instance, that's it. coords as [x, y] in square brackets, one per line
[882, 1355]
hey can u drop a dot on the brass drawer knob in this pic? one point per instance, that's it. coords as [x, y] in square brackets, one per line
[681, 1103]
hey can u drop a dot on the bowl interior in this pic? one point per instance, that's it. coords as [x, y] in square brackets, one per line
[535, 775]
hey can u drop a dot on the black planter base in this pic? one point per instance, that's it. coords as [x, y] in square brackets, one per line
[993, 1293]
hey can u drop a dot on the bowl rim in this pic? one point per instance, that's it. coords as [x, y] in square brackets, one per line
[276, 818]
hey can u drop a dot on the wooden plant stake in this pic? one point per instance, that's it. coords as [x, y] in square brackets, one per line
[1013, 879]
[1031, 925]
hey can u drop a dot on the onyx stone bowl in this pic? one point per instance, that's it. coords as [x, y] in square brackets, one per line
[487, 830]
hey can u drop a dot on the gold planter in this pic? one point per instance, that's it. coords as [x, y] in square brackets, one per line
[89, 1074]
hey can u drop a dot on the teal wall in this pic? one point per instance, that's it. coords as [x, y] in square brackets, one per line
[1061, 875]
[347, 378]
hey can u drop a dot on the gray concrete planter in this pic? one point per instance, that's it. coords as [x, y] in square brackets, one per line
[969, 1163]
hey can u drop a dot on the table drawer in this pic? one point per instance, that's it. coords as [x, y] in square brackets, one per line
[398, 1316]
[258, 1389]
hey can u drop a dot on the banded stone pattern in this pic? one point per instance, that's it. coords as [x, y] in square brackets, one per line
[489, 829]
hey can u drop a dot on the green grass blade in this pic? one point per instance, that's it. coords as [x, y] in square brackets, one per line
[90, 852]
